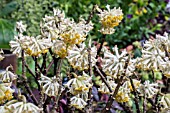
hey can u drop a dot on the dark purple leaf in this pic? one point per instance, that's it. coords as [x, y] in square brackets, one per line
[116, 105]
[95, 93]
[63, 101]
[61, 109]
[112, 110]
[104, 97]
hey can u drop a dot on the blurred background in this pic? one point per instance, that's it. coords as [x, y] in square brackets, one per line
[142, 18]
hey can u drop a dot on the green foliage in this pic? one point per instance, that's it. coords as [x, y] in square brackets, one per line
[8, 8]
[6, 32]
[141, 25]
[6, 25]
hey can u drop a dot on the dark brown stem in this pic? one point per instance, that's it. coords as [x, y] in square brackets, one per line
[103, 79]
[45, 105]
[91, 15]
[48, 68]
[136, 96]
[112, 96]
[25, 80]
[60, 61]
[30, 71]
[153, 75]
[44, 63]
[38, 66]
[90, 72]
[89, 107]
[40, 104]
[144, 104]
[101, 45]
[55, 61]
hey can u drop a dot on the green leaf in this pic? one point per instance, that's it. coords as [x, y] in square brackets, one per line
[10, 7]
[6, 32]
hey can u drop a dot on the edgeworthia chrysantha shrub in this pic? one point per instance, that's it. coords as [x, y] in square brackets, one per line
[63, 39]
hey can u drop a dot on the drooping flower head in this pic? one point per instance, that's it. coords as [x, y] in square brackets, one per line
[50, 86]
[78, 102]
[79, 84]
[7, 76]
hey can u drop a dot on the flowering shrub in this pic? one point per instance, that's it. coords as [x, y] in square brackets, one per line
[63, 39]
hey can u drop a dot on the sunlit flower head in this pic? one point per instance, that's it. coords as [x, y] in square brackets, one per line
[60, 48]
[66, 29]
[19, 43]
[78, 102]
[37, 46]
[104, 89]
[128, 86]
[163, 41]
[122, 97]
[109, 19]
[113, 64]
[77, 32]
[79, 84]
[165, 68]
[15, 106]
[149, 89]
[78, 56]
[152, 59]
[50, 86]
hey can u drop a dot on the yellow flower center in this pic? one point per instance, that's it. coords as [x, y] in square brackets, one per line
[62, 53]
[111, 21]
[121, 97]
[71, 38]
[8, 95]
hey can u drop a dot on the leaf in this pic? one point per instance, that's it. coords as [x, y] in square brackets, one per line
[6, 32]
[137, 53]
[10, 7]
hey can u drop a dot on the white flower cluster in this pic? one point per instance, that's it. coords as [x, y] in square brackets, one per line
[6, 79]
[50, 86]
[109, 19]
[104, 89]
[78, 57]
[150, 89]
[79, 86]
[64, 32]
[7, 76]
[15, 106]
[114, 65]
[154, 55]
[33, 46]
[5, 92]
